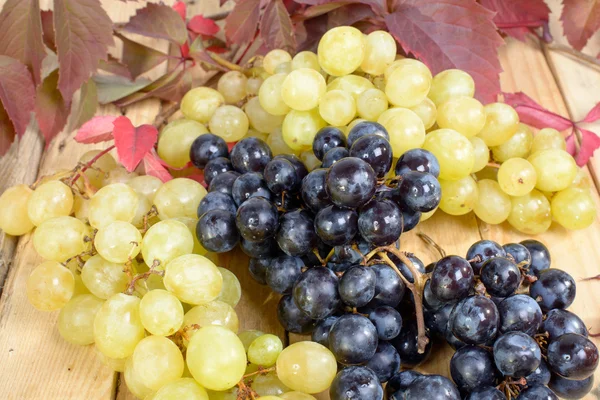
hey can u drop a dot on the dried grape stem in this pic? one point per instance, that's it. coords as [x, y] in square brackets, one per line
[89, 164]
[260, 371]
[493, 165]
[145, 275]
[227, 64]
[432, 242]
[165, 114]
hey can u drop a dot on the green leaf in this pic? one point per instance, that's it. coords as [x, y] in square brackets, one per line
[171, 87]
[114, 66]
[84, 105]
[114, 87]
[50, 108]
[140, 58]
[17, 92]
[158, 21]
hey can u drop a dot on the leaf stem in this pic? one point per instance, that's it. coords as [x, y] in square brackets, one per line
[165, 113]
[223, 62]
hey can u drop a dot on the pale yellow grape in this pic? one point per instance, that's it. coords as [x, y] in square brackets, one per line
[259, 119]
[153, 282]
[14, 219]
[176, 139]
[300, 127]
[216, 358]
[104, 278]
[501, 123]
[231, 394]
[268, 386]
[194, 279]
[141, 213]
[119, 175]
[181, 389]
[115, 202]
[464, 114]
[232, 85]
[488, 173]
[425, 216]
[371, 103]
[101, 167]
[297, 396]
[379, 82]
[191, 224]
[118, 327]
[179, 197]
[231, 292]
[161, 312]
[392, 67]
[310, 160]
[548, 138]
[482, 154]
[306, 367]
[574, 208]
[582, 180]
[165, 241]
[278, 145]
[49, 200]
[270, 96]
[215, 313]
[517, 177]
[353, 84]
[253, 85]
[229, 122]
[454, 152]
[50, 286]
[81, 208]
[61, 238]
[157, 361]
[408, 84]
[76, 319]
[79, 287]
[118, 242]
[519, 145]
[134, 384]
[283, 68]
[341, 50]
[275, 57]
[530, 213]
[264, 350]
[247, 337]
[201, 103]
[459, 197]
[493, 205]
[451, 83]
[405, 128]
[306, 59]
[302, 89]
[256, 134]
[555, 169]
[427, 111]
[116, 364]
[380, 52]
[269, 398]
[337, 107]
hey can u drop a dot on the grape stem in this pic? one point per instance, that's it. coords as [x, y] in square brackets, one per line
[89, 164]
[260, 371]
[432, 243]
[165, 114]
[493, 165]
[144, 276]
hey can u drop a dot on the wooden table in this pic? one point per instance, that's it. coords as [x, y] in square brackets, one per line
[36, 364]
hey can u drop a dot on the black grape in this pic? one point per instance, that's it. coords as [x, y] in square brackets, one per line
[291, 318]
[554, 288]
[407, 346]
[216, 231]
[418, 160]
[380, 222]
[356, 383]
[519, 253]
[387, 321]
[451, 279]
[571, 389]
[500, 276]
[281, 176]
[316, 292]
[282, 273]
[267, 248]
[321, 332]
[485, 249]
[258, 269]
[357, 286]
[486, 393]
[366, 128]
[386, 361]
[250, 184]
[474, 320]
[334, 155]
[516, 354]
[420, 191]
[223, 182]
[215, 167]
[353, 339]
[472, 367]
[376, 151]
[537, 392]
[437, 320]
[336, 226]
[313, 190]
[296, 235]
[398, 383]
[216, 201]
[540, 256]
[572, 356]
[541, 375]
[389, 288]
[350, 182]
[558, 322]
[520, 313]
[432, 387]
[257, 219]
[250, 155]
[207, 147]
[326, 139]
[429, 299]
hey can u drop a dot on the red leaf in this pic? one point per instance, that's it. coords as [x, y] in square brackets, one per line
[114, 66]
[48, 29]
[140, 58]
[181, 9]
[517, 18]
[17, 92]
[158, 21]
[315, 11]
[154, 167]
[21, 34]
[276, 27]
[534, 114]
[203, 26]
[50, 108]
[349, 15]
[580, 18]
[7, 132]
[133, 143]
[315, 28]
[96, 130]
[593, 115]
[380, 6]
[571, 145]
[241, 24]
[589, 143]
[451, 34]
[83, 34]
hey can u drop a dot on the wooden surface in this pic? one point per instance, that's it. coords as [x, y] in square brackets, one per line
[36, 364]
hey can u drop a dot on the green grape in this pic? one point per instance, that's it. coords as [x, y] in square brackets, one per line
[493, 205]
[392, 67]
[191, 224]
[269, 398]
[501, 124]
[380, 52]
[451, 83]
[104, 278]
[582, 180]
[306, 367]
[459, 197]
[81, 208]
[231, 292]
[405, 128]
[133, 381]
[371, 103]
[530, 213]
[518, 146]
[268, 386]
[179, 197]
[379, 82]
[102, 166]
[51, 199]
[464, 114]
[117, 327]
[201, 103]
[119, 175]
[141, 213]
[353, 84]
[61, 238]
[115, 202]
[408, 84]
[270, 97]
[259, 135]
[261, 120]
[79, 286]
[161, 312]
[215, 313]
[341, 50]
[231, 394]
[310, 160]
[194, 279]
[274, 58]
[488, 173]
[427, 111]
[517, 177]
[176, 139]
[157, 361]
[482, 154]
[116, 364]
[300, 127]
[574, 208]
[14, 219]
[216, 358]
[76, 319]
[232, 85]
[548, 138]
[50, 286]
[253, 85]
[229, 122]
[165, 241]
[181, 389]
[337, 107]
[247, 337]
[454, 152]
[306, 59]
[302, 89]
[297, 396]
[283, 68]
[278, 145]
[118, 242]
[425, 216]
[264, 350]
[555, 169]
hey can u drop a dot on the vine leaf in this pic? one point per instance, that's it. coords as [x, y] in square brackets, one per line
[580, 19]
[114, 66]
[593, 115]
[203, 26]
[139, 58]
[50, 108]
[241, 23]
[158, 21]
[48, 29]
[17, 92]
[113, 87]
[84, 105]
[181, 9]
[518, 18]
[154, 167]
[276, 27]
[531, 113]
[133, 143]
[96, 130]
[589, 143]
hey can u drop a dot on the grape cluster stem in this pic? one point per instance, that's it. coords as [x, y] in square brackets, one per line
[144, 276]
[432, 243]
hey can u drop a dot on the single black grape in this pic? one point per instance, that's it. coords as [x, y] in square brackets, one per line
[486, 393]
[353, 339]
[257, 219]
[519, 313]
[437, 320]
[572, 356]
[376, 151]
[516, 354]
[410, 218]
[291, 318]
[316, 292]
[387, 321]
[389, 287]
[380, 222]
[420, 191]
[215, 167]
[223, 182]
[258, 269]
[500, 276]
[519, 253]
[472, 367]
[296, 235]
[216, 201]
[334, 155]
[571, 389]
[326, 139]
[418, 160]
[432, 387]
[267, 248]
[216, 231]
[407, 345]
[250, 155]
[301, 170]
[250, 184]
[282, 273]
[386, 361]
[474, 320]
[281, 176]
[404, 270]
[554, 288]
[336, 226]
[431, 302]
[451, 279]
[207, 147]
[286, 201]
[356, 383]
[541, 375]
[321, 333]
[483, 250]
[453, 341]
[540, 256]
[357, 286]
[350, 182]
[537, 392]
[558, 322]
[366, 128]
[398, 383]
[313, 190]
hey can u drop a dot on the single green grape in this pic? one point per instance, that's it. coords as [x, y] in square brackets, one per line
[493, 205]
[517, 177]
[264, 350]
[574, 208]
[459, 197]
[530, 213]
